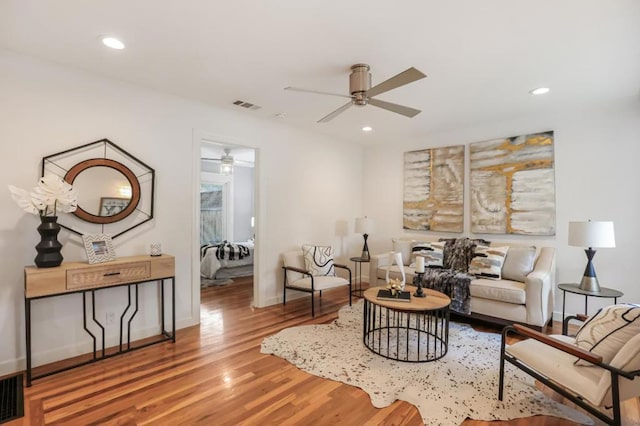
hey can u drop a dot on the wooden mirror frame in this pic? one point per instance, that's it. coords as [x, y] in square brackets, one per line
[82, 166]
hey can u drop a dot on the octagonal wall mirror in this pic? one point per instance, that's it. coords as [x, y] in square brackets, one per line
[115, 189]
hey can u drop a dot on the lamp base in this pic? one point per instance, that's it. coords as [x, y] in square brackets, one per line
[365, 249]
[590, 284]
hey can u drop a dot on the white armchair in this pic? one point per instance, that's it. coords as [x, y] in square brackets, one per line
[596, 386]
[297, 277]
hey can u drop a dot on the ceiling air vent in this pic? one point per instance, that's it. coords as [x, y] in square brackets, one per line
[247, 105]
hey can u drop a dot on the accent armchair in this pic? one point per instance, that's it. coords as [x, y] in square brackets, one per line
[298, 277]
[575, 373]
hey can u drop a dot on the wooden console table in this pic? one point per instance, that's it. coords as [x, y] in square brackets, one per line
[83, 278]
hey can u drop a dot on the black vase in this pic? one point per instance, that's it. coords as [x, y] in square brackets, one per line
[49, 247]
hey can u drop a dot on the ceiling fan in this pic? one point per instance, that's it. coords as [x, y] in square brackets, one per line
[363, 94]
[227, 162]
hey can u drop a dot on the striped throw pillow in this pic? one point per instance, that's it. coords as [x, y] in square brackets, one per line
[606, 332]
[487, 262]
[433, 253]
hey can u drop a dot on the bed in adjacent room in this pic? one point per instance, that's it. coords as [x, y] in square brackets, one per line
[226, 260]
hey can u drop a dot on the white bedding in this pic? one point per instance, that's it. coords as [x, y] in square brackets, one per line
[210, 264]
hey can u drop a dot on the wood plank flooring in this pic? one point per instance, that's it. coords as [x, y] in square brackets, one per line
[215, 375]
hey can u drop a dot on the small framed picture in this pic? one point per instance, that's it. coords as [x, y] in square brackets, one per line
[110, 206]
[99, 248]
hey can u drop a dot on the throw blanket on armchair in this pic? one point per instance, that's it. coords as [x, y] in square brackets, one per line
[453, 284]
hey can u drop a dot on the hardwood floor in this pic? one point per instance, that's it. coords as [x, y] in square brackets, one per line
[215, 375]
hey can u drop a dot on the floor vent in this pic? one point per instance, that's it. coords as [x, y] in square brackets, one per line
[11, 398]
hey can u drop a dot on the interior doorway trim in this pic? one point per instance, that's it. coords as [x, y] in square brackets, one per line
[199, 137]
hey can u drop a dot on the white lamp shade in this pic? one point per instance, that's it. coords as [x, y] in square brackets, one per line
[591, 234]
[364, 225]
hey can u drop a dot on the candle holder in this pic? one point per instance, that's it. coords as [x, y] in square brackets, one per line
[418, 283]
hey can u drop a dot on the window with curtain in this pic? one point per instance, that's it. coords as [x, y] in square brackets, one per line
[212, 220]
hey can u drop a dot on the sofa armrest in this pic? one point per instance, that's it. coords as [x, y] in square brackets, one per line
[375, 262]
[539, 288]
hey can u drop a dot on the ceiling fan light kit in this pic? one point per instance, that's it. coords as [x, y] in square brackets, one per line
[226, 163]
[361, 92]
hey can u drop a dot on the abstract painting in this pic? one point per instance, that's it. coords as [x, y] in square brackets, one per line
[434, 189]
[513, 185]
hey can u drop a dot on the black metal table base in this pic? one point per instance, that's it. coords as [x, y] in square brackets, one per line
[123, 346]
[357, 283]
[408, 336]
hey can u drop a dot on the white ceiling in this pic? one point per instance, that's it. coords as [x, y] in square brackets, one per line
[481, 57]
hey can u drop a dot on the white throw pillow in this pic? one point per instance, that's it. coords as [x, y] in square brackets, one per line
[606, 332]
[433, 253]
[519, 263]
[318, 260]
[403, 247]
[487, 262]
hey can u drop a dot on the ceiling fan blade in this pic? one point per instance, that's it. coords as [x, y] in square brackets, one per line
[332, 115]
[405, 77]
[317, 92]
[400, 109]
[235, 161]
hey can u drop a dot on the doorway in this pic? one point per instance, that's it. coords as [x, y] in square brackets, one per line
[226, 213]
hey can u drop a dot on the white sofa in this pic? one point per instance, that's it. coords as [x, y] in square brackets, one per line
[526, 299]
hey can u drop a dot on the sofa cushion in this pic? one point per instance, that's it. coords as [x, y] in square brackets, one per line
[487, 262]
[500, 290]
[404, 247]
[433, 253]
[318, 260]
[519, 263]
[606, 332]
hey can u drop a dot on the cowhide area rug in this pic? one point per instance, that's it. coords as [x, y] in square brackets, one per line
[463, 384]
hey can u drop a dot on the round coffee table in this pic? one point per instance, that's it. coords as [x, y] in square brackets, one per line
[415, 331]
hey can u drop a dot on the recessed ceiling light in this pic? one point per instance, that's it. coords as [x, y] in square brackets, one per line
[113, 43]
[539, 91]
[367, 128]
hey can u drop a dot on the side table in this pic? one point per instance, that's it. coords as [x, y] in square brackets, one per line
[575, 289]
[357, 285]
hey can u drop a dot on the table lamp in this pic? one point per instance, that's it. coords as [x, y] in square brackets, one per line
[592, 235]
[364, 225]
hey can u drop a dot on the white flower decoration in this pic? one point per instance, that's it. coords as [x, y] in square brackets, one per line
[52, 195]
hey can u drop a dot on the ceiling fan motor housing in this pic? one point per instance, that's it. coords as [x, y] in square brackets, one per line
[359, 83]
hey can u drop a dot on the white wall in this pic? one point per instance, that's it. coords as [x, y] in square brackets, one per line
[597, 174]
[307, 185]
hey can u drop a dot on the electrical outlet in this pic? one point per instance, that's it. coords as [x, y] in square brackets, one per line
[111, 318]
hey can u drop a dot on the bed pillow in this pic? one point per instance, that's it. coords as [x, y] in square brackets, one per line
[487, 262]
[433, 253]
[518, 263]
[606, 332]
[318, 260]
